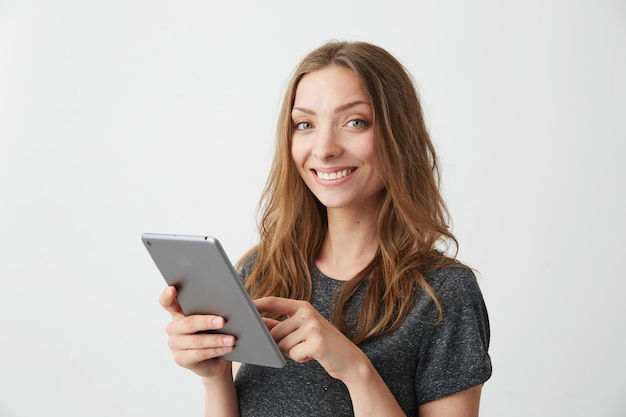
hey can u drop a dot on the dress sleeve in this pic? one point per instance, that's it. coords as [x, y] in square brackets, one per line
[453, 354]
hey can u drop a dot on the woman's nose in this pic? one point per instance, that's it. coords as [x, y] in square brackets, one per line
[326, 145]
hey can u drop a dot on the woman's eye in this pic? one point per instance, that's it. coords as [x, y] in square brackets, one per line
[303, 126]
[357, 123]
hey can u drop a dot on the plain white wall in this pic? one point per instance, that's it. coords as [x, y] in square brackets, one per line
[123, 117]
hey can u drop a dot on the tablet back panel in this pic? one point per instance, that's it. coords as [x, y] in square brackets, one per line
[208, 284]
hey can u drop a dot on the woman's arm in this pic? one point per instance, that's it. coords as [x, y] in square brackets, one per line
[220, 397]
[369, 393]
[371, 397]
[461, 404]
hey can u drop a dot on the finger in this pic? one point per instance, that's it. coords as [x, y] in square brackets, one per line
[277, 305]
[295, 330]
[296, 344]
[270, 323]
[201, 341]
[191, 358]
[195, 324]
[300, 353]
[168, 301]
[304, 317]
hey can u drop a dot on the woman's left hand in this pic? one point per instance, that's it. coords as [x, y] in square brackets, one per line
[306, 335]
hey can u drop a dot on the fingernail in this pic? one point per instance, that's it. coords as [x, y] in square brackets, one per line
[218, 322]
[228, 341]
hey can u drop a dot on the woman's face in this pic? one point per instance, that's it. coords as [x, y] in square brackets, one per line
[333, 139]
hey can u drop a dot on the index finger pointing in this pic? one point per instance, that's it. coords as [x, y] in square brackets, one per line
[277, 305]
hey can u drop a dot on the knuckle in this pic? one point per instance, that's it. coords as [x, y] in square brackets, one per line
[199, 355]
[188, 325]
[179, 358]
[171, 343]
[197, 341]
[306, 315]
[170, 328]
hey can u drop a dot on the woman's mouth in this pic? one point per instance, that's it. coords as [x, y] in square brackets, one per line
[332, 176]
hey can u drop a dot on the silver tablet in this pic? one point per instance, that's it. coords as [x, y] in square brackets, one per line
[208, 284]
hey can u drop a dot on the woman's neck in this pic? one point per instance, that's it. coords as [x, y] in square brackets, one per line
[349, 246]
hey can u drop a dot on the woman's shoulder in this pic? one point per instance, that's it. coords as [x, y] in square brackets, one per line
[456, 284]
[453, 277]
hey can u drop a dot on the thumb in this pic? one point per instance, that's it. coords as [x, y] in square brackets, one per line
[169, 302]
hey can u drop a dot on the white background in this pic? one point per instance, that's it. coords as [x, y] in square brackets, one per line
[124, 117]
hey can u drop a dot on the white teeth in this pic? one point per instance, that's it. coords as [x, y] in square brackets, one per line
[329, 176]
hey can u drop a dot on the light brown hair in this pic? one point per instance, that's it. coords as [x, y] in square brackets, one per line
[412, 220]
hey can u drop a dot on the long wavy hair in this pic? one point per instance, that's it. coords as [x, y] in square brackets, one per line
[412, 219]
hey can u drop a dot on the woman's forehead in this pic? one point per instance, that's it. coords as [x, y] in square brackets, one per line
[331, 83]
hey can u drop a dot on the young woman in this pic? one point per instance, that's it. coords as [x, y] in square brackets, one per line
[351, 268]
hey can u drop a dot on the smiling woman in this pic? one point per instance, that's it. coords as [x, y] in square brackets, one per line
[373, 318]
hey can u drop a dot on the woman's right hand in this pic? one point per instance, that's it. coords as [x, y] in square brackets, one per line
[195, 351]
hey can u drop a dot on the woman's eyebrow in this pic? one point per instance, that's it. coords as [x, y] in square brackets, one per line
[347, 106]
[339, 109]
[304, 110]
